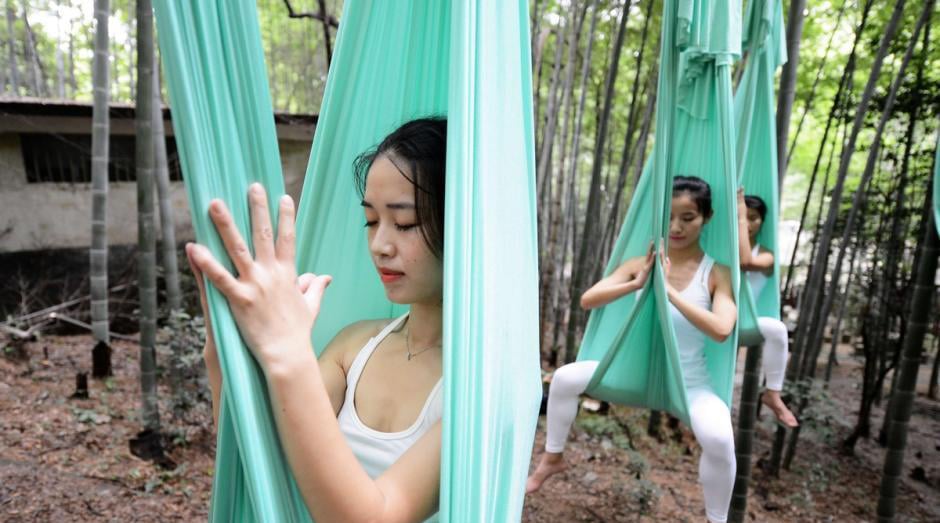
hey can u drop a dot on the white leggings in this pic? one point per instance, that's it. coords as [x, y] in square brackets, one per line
[711, 424]
[776, 351]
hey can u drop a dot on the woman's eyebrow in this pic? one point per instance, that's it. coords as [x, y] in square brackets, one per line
[394, 205]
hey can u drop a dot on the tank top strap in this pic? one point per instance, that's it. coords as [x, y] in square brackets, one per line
[359, 363]
[704, 271]
[755, 250]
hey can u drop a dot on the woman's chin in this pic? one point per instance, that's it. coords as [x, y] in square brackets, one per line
[396, 296]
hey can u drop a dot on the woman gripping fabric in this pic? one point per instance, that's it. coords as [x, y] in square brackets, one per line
[370, 406]
[702, 305]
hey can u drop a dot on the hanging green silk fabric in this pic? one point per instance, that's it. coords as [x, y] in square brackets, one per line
[755, 126]
[633, 337]
[394, 61]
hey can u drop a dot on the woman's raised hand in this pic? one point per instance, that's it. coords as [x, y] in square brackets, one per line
[274, 309]
[643, 274]
[664, 259]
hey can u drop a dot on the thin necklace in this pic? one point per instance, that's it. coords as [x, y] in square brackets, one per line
[412, 355]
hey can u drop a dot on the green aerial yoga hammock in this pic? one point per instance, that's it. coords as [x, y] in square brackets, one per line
[755, 125]
[633, 337]
[394, 61]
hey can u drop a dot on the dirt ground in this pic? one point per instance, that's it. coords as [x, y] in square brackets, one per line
[64, 459]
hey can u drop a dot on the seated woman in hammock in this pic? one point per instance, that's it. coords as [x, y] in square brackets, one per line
[360, 426]
[702, 304]
[758, 262]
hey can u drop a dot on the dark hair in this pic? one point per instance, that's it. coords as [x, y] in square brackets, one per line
[756, 203]
[697, 189]
[418, 149]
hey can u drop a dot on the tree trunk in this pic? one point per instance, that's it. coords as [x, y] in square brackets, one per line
[325, 20]
[744, 437]
[896, 239]
[73, 84]
[858, 200]
[582, 269]
[808, 101]
[146, 256]
[935, 371]
[613, 215]
[557, 189]
[837, 331]
[809, 364]
[171, 278]
[32, 56]
[816, 280]
[818, 272]
[59, 61]
[913, 346]
[132, 52]
[11, 43]
[98, 254]
[548, 135]
[561, 287]
[837, 103]
[788, 85]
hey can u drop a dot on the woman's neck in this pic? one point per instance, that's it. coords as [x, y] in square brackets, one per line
[425, 324]
[693, 251]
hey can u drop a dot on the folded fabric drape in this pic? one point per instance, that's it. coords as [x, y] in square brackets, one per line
[755, 126]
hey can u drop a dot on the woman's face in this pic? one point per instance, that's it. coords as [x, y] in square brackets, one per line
[407, 267]
[754, 222]
[685, 222]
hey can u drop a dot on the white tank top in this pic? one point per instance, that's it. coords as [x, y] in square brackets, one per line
[756, 279]
[691, 340]
[374, 449]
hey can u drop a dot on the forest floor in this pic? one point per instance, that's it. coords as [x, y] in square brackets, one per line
[65, 459]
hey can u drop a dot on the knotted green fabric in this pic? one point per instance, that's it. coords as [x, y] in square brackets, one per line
[755, 126]
[633, 337]
[394, 61]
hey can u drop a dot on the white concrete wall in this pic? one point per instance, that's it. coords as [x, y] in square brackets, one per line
[58, 215]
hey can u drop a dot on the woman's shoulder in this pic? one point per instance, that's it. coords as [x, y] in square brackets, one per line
[761, 249]
[350, 340]
[720, 273]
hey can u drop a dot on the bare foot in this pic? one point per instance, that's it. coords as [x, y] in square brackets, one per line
[772, 399]
[550, 464]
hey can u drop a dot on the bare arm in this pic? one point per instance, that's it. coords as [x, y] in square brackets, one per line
[627, 278]
[764, 260]
[316, 449]
[744, 239]
[717, 323]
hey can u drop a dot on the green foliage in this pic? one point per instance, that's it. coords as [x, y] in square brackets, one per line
[179, 353]
[607, 427]
[645, 493]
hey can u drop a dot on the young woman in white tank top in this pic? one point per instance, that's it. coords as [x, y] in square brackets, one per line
[702, 305]
[360, 426]
[758, 263]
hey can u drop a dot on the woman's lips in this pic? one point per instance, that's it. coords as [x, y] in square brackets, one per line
[677, 238]
[389, 276]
